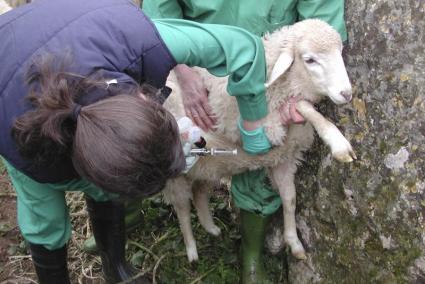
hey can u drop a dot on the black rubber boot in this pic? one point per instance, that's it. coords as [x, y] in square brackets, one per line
[50, 265]
[107, 219]
[133, 219]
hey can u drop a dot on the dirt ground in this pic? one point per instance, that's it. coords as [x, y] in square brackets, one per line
[15, 265]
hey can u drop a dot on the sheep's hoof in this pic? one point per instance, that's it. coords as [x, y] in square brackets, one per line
[214, 230]
[300, 255]
[297, 249]
[192, 254]
[342, 157]
[345, 157]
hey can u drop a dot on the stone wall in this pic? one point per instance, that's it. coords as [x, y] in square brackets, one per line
[364, 222]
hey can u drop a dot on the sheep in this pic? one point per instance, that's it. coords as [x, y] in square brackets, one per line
[304, 62]
[4, 7]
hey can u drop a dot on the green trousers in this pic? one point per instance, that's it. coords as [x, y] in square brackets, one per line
[43, 216]
[252, 192]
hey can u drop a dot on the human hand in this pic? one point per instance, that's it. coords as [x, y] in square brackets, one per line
[190, 159]
[189, 134]
[254, 139]
[289, 114]
[195, 98]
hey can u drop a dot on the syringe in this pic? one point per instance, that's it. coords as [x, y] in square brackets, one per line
[213, 152]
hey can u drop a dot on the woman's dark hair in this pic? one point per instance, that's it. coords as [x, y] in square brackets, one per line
[124, 144]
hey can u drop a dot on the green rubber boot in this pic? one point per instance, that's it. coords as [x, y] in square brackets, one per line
[253, 228]
[133, 219]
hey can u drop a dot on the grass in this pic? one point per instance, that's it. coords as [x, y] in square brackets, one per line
[162, 247]
[156, 248]
[166, 252]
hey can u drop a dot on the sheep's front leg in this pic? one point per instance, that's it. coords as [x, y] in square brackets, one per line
[178, 193]
[183, 214]
[340, 147]
[200, 201]
[283, 177]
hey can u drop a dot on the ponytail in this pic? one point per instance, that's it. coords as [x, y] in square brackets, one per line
[44, 134]
[123, 143]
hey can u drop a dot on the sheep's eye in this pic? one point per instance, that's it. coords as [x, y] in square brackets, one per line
[310, 61]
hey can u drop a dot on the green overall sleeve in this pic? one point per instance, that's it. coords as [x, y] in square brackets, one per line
[223, 50]
[330, 11]
[159, 9]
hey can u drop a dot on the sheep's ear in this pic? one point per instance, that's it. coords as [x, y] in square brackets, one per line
[282, 64]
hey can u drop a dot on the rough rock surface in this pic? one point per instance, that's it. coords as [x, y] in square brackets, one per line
[364, 222]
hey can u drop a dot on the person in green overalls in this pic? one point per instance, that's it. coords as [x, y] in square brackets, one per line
[251, 191]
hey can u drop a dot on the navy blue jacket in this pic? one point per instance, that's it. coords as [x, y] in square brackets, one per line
[111, 35]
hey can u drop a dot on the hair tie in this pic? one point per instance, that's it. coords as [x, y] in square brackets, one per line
[76, 112]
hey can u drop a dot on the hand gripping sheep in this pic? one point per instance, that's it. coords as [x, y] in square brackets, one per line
[304, 62]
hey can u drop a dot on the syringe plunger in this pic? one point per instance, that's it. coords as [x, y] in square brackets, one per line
[214, 152]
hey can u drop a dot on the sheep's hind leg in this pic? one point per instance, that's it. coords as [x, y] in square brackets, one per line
[201, 201]
[283, 176]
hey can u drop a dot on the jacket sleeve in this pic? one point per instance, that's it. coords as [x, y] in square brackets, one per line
[223, 50]
[157, 9]
[330, 11]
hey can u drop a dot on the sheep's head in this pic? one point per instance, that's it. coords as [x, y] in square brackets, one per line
[310, 57]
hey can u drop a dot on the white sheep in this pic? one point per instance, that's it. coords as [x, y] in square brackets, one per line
[4, 7]
[303, 61]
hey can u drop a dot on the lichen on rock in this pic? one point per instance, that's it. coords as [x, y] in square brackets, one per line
[365, 220]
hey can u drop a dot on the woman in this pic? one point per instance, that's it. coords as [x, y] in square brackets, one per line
[88, 126]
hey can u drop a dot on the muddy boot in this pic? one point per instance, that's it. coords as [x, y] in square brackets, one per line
[108, 225]
[133, 220]
[50, 265]
[253, 233]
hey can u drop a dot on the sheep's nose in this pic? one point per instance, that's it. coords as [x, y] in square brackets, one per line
[346, 95]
